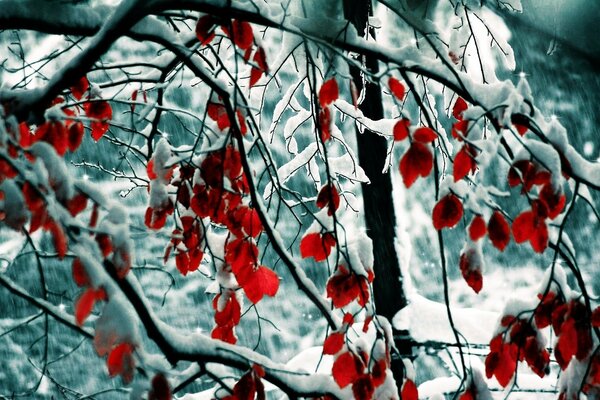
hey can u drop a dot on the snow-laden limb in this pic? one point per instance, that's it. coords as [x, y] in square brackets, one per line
[56, 312]
[61, 18]
[195, 347]
[427, 322]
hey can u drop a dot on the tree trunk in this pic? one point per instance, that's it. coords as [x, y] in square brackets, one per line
[379, 213]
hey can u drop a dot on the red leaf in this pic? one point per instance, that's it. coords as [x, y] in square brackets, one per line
[75, 135]
[501, 364]
[447, 212]
[464, 162]
[417, 161]
[77, 204]
[231, 312]
[224, 333]
[396, 88]
[363, 388]
[344, 287]
[498, 231]
[409, 391]
[251, 223]
[84, 305]
[120, 362]
[205, 29]
[346, 369]
[596, 317]
[245, 389]
[102, 112]
[460, 129]
[80, 276]
[80, 87]
[520, 122]
[554, 201]
[334, 343]
[242, 256]
[241, 33]
[470, 267]
[260, 59]
[401, 129]
[528, 226]
[477, 228]
[262, 281]
[54, 133]
[317, 246]
[328, 197]
[424, 135]
[104, 243]
[328, 93]
[160, 389]
[218, 113]
[182, 262]
[325, 124]
[59, 239]
[459, 107]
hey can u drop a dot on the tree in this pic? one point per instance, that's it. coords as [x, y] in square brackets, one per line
[238, 120]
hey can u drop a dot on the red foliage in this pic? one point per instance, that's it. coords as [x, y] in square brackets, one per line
[160, 388]
[328, 93]
[470, 267]
[464, 162]
[80, 87]
[205, 29]
[459, 107]
[477, 228]
[325, 123]
[401, 129]
[409, 390]
[345, 286]
[334, 343]
[532, 227]
[317, 245]
[396, 88]
[101, 112]
[120, 362]
[328, 197]
[417, 161]
[54, 133]
[240, 32]
[260, 59]
[498, 231]
[85, 303]
[80, 276]
[424, 135]
[347, 368]
[447, 212]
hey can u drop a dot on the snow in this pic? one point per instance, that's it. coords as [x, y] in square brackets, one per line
[427, 321]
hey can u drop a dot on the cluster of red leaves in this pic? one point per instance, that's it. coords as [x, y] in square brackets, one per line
[218, 113]
[68, 135]
[358, 370]
[241, 34]
[464, 160]
[160, 388]
[572, 327]
[519, 341]
[470, 264]
[418, 159]
[317, 245]
[328, 197]
[345, 286]
[256, 280]
[250, 385]
[227, 316]
[531, 225]
[86, 301]
[187, 243]
[156, 217]
[328, 93]
[120, 361]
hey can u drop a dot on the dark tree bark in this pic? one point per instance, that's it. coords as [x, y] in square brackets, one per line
[377, 196]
